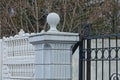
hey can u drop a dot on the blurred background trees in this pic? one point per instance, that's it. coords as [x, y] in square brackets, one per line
[30, 15]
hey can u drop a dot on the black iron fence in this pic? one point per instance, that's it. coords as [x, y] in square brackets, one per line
[100, 62]
[99, 55]
[99, 44]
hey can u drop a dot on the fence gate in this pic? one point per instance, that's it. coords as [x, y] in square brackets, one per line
[99, 44]
[99, 56]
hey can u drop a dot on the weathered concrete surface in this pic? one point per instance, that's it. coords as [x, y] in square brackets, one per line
[75, 65]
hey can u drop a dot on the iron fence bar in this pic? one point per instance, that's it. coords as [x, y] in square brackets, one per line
[105, 48]
[113, 59]
[88, 65]
[84, 60]
[109, 58]
[101, 36]
[81, 59]
[117, 58]
[102, 58]
[75, 47]
[89, 59]
[96, 59]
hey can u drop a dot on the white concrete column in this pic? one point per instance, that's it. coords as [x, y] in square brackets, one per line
[53, 52]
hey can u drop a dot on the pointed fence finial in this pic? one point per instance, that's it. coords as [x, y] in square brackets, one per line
[21, 33]
[53, 19]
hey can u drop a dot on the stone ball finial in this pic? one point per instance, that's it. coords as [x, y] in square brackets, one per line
[53, 19]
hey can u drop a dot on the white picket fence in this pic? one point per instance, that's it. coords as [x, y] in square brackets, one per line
[18, 57]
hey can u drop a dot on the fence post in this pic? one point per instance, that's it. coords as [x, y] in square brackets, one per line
[53, 53]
